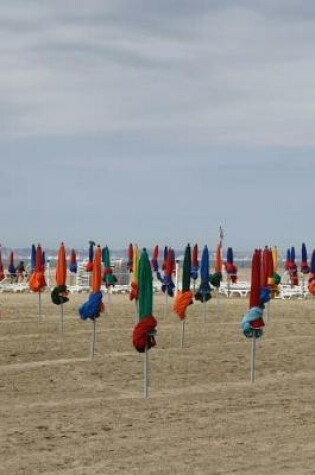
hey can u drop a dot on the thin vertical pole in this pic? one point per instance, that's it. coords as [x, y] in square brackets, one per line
[183, 333]
[146, 372]
[253, 358]
[92, 339]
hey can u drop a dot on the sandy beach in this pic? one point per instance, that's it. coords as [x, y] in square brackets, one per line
[64, 414]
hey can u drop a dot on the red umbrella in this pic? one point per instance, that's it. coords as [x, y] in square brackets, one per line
[130, 257]
[154, 260]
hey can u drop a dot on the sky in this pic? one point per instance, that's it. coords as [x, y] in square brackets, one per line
[157, 121]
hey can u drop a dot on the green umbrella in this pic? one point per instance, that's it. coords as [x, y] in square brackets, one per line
[184, 298]
[144, 331]
[145, 287]
[108, 277]
[186, 269]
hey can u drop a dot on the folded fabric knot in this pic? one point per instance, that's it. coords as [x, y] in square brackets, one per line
[73, 268]
[215, 279]
[37, 281]
[93, 307]
[134, 291]
[59, 295]
[144, 334]
[253, 322]
[182, 301]
[203, 294]
[305, 269]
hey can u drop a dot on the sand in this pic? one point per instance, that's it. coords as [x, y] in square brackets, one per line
[64, 414]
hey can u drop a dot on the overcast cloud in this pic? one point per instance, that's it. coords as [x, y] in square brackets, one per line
[157, 121]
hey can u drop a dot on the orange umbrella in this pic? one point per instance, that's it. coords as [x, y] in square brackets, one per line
[37, 280]
[61, 269]
[218, 259]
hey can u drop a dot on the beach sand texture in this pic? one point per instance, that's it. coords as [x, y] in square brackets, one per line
[64, 414]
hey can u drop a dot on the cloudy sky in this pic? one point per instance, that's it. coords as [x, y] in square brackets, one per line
[157, 121]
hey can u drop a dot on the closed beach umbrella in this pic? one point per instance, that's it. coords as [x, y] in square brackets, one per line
[194, 263]
[94, 306]
[89, 266]
[11, 267]
[184, 297]
[133, 295]
[218, 259]
[33, 257]
[304, 264]
[231, 269]
[73, 266]
[204, 293]
[287, 263]
[59, 295]
[252, 323]
[130, 257]
[145, 330]
[37, 280]
[154, 260]
[293, 268]
[108, 276]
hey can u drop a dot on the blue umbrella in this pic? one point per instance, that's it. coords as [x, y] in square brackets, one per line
[33, 257]
[204, 292]
[292, 254]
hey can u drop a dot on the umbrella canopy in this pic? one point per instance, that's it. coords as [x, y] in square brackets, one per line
[59, 294]
[169, 267]
[94, 306]
[184, 297]
[61, 268]
[165, 254]
[218, 259]
[252, 322]
[130, 257]
[275, 258]
[1, 266]
[231, 269]
[292, 268]
[312, 268]
[89, 266]
[97, 270]
[134, 284]
[108, 276]
[73, 266]
[154, 260]
[33, 257]
[304, 265]
[11, 267]
[204, 293]
[194, 263]
[144, 331]
[288, 260]
[37, 280]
